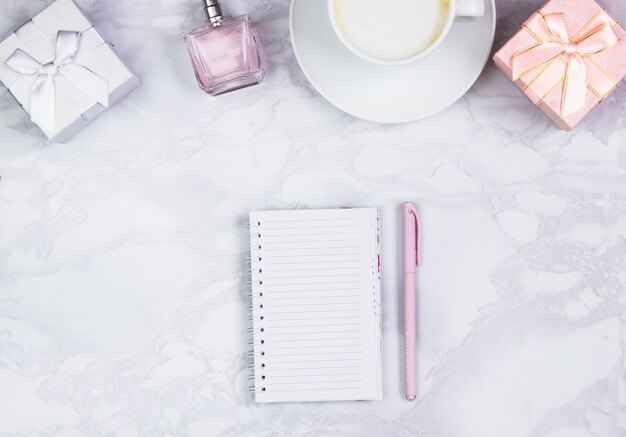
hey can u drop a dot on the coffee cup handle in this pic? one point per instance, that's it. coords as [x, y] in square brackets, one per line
[470, 8]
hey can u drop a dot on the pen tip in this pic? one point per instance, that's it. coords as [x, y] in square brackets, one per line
[410, 397]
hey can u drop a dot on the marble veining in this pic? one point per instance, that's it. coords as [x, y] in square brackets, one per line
[122, 253]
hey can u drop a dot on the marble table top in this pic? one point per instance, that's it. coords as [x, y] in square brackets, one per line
[122, 253]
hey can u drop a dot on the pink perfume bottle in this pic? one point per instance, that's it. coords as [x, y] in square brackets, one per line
[224, 52]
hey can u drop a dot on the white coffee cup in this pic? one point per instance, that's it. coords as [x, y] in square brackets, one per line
[469, 9]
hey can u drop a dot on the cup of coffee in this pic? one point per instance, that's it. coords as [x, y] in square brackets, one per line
[397, 32]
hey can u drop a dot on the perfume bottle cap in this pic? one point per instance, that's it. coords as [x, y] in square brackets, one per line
[213, 10]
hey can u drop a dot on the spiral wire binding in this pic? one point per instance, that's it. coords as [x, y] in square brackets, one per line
[255, 307]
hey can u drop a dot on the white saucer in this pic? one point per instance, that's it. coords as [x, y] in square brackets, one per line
[389, 94]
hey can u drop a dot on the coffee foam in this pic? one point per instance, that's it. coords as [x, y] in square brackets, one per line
[391, 30]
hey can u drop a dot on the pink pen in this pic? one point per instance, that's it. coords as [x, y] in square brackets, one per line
[410, 259]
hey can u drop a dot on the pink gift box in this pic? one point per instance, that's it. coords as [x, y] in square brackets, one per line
[567, 58]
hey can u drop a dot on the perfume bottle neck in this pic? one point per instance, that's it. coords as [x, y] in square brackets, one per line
[213, 11]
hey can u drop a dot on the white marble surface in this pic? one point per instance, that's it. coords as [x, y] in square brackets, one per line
[122, 307]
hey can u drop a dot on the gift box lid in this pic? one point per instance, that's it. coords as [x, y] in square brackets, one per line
[73, 106]
[609, 64]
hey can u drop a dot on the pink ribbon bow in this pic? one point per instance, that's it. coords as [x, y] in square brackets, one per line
[554, 43]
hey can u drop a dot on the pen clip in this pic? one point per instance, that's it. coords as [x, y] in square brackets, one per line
[417, 230]
[410, 237]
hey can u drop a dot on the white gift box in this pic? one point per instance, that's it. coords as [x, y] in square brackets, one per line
[62, 72]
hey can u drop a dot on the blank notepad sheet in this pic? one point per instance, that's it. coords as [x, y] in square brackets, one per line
[316, 305]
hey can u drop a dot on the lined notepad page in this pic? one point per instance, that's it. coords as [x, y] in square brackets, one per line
[316, 305]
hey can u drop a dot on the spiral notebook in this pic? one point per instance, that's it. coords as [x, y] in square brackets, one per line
[315, 305]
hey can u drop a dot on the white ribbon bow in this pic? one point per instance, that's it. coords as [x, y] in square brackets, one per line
[43, 93]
